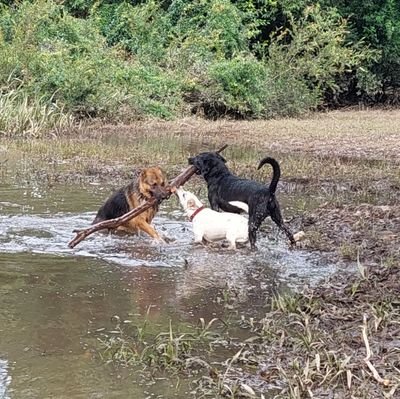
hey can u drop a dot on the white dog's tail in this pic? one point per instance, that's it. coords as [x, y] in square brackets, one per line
[241, 205]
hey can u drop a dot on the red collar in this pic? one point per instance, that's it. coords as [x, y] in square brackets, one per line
[198, 210]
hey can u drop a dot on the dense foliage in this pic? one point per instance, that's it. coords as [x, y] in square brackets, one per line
[242, 58]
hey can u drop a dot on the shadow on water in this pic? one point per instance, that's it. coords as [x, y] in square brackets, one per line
[53, 299]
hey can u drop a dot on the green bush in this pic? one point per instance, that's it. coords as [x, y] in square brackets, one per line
[239, 84]
[313, 54]
[141, 30]
[243, 58]
[303, 63]
[209, 26]
[378, 23]
[65, 59]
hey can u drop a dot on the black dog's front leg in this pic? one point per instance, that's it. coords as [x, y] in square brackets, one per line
[213, 202]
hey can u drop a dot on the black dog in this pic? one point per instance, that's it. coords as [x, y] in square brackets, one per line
[223, 187]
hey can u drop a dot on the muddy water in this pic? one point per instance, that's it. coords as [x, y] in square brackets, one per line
[53, 299]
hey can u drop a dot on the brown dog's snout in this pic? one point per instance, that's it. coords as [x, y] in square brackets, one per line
[160, 193]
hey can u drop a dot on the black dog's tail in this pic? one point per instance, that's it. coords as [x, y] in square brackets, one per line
[275, 176]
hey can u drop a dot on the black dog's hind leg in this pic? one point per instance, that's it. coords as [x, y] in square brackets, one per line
[256, 217]
[276, 216]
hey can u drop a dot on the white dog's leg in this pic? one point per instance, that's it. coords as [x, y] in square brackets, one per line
[232, 240]
[198, 236]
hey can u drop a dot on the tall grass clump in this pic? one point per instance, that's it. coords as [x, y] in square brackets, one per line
[29, 116]
[67, 61]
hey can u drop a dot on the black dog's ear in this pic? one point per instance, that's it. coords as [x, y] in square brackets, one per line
[221, 157]
[204, 170]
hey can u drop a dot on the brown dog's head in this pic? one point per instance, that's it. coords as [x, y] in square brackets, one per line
[152, 183]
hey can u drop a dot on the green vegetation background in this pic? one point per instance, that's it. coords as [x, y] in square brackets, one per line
[126, 60]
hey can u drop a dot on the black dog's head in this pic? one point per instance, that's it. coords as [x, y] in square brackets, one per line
[207, 162]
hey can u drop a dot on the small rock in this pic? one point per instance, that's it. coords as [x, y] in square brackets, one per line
[299, 236]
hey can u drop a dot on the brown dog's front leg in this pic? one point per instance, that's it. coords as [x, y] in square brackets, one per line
[150, 230]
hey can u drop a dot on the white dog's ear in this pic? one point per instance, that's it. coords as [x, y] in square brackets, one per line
[191, 203]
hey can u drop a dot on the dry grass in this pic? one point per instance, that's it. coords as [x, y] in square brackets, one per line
[353, 146]
[340, 337]
[369, 134]
[21, 116]
[338, 340]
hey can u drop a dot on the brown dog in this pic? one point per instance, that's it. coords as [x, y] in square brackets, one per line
[146, 183]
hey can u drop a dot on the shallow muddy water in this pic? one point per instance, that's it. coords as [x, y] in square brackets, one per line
[53, 299]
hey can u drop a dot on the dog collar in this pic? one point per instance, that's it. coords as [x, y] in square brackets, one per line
[198, 210]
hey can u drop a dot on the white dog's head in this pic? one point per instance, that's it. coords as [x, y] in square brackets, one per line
[188, 200]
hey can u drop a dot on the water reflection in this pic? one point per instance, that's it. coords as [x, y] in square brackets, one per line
[5, 379]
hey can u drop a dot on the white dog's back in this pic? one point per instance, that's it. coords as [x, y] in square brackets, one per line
[216, 226]
[211, 225]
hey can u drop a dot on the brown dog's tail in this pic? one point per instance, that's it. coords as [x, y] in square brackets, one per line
[276, 172]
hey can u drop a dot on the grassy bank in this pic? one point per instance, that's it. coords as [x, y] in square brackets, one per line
[340, 338]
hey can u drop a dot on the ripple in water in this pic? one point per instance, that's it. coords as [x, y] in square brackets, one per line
[50, 234]
[5, 379]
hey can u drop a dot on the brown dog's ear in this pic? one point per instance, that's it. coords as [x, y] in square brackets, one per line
[160, 170]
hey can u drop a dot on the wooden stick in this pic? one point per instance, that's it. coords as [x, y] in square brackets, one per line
[178, 181]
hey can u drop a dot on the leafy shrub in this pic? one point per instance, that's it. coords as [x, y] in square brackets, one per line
[67, 60]
[312, 54]
[79, 8]
[378, 23]
[214, 26]
[239, 84]
[141, 29]
[303, 63]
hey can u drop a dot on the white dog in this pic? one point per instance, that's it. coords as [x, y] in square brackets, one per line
[211, 225]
